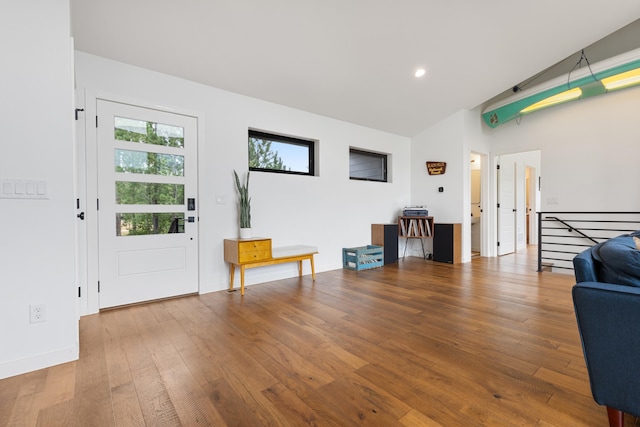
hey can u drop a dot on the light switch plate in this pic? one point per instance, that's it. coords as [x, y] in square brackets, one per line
[23, 189]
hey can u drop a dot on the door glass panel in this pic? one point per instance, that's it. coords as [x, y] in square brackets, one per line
[144, 132]
[143, 224]
[149, 193]
[148, 163]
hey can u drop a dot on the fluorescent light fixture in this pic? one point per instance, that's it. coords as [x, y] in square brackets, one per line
[615, 73]
[622, 80]
[420, 72]
[567, 95]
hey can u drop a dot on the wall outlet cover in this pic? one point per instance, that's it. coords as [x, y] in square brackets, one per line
[37, 313]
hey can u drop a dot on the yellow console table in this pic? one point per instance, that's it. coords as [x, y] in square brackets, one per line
[257, 252]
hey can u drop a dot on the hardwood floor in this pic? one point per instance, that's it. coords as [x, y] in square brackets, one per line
[416, 343]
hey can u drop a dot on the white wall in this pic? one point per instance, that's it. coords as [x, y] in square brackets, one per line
[588, 159]
[37, 243]
[439, 143]
[328, 211]
[452, 141]
[589, 151]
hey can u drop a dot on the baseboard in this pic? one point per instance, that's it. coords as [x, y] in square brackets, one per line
[41, 361]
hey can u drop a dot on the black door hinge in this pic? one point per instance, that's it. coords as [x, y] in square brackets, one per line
[79, 292]
[98, 286]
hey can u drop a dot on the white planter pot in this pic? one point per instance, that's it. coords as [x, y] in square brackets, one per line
[245, 233]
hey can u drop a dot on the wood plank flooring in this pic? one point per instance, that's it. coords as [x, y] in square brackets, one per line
[418, 343]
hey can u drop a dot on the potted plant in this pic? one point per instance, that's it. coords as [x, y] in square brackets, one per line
[244, 206]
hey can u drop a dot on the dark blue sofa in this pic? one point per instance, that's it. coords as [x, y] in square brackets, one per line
[607, 305]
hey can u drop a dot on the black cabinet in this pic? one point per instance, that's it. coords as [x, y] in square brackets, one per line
[386, 235]
[447, 243]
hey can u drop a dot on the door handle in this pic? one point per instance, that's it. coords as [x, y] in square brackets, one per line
[81, 215]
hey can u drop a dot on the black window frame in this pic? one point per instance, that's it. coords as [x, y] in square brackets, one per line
[308, 143]
[373, 154]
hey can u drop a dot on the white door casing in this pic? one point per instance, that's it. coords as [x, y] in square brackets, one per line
[147, 229]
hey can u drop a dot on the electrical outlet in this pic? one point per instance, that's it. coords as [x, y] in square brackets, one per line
[37, 313]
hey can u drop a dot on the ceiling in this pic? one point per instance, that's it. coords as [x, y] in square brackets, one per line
[352, 60]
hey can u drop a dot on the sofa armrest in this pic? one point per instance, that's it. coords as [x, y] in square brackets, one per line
[584, 267]
[608, 318]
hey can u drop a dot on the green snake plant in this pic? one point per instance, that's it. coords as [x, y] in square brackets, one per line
[244, 201]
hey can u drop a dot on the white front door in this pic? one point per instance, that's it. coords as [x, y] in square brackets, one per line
[506, 207]
[147, 215]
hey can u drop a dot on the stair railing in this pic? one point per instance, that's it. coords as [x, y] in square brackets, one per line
[563, 235]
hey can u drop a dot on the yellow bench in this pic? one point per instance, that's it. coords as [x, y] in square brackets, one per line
[257, 252]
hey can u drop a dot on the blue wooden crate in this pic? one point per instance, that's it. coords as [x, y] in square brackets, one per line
[363, 257]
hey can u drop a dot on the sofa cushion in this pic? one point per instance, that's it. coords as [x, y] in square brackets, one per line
[619, 261]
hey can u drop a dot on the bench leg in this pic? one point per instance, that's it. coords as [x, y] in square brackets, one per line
[232, 269]
[242, 280]
[313, 269]
[300, 268]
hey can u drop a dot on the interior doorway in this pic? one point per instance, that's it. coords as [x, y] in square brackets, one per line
[518, 197]
[533, 203]
[476, 203]
[528, 178]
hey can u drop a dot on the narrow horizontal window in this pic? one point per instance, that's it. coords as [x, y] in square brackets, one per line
[133, 130]
[367, 166]
[149, 163]
[143, 224]
[280, 154]
[149, 193]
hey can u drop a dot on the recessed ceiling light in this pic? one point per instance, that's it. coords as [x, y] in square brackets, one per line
[420, 72]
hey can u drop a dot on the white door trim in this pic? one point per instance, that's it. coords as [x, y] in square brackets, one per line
[88, 174]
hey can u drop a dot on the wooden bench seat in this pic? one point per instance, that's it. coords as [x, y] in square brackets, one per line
[250, 253]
